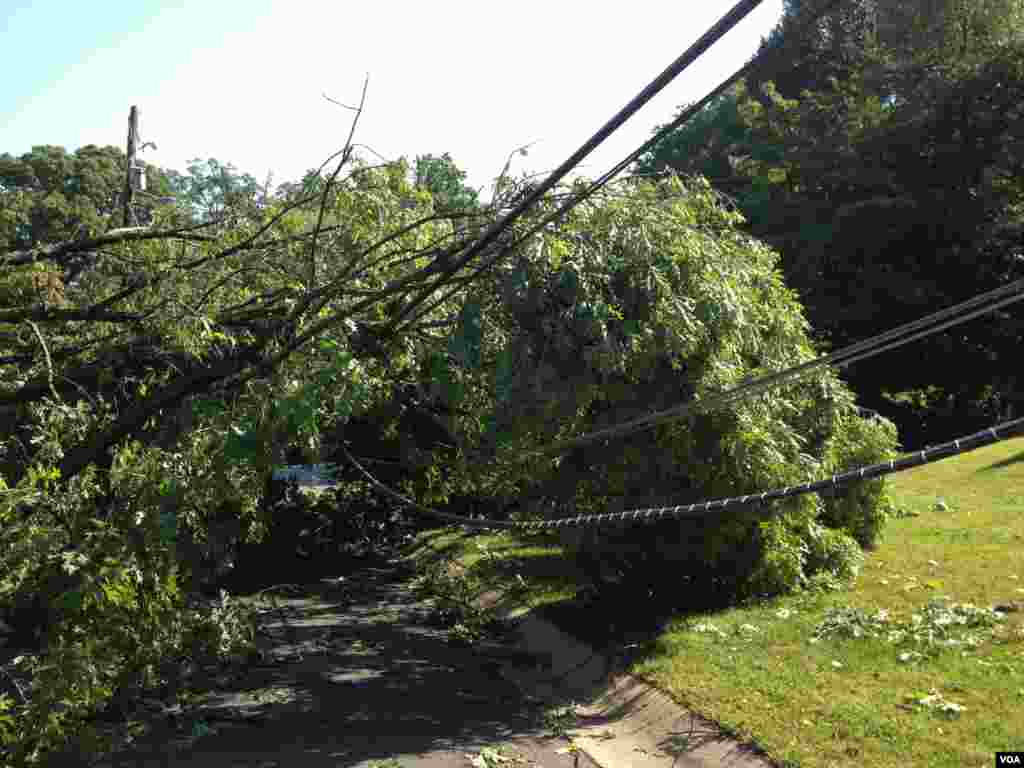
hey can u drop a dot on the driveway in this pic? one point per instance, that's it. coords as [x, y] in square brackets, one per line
[356, 675]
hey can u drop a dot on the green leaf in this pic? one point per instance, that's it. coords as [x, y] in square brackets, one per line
[71, 601]
[558, 251]
[465, 341]
[438, 366]
[709, 312]
[504, 376]
[355, 394]
[168, 526]
[241, 446]
[208, 408]
[501, 438]
[454, 392]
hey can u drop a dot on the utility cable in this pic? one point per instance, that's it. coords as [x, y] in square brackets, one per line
[715, 33]
[929, 455]
[842, 358]
[684, 117]
[936, 453]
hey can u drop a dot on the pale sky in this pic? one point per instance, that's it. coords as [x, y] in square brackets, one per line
[242, 81]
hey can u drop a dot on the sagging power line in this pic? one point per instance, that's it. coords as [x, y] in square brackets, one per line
[937, 453]
[955, 315]
[684, 117]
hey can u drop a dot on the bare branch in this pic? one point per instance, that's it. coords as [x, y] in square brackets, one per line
[487, 262]
[58, 250]
[134, 418]
[247, 243]
[49, 362]
[271, 298]
[67, 353]
[346, 154]
[346, 106]
[318, 294]
[221, 283]
[375, 152]
[508, 164]
[56, 315]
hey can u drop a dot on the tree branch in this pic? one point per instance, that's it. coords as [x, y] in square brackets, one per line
[345, 155]
[133, 419]
[56, 251]
[55, 315]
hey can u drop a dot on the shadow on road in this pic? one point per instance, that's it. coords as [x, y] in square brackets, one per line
[351, 675]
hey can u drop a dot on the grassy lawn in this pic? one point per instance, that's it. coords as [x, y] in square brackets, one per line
[853, 678]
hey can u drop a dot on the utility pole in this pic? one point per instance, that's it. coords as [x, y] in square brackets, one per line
[135, 175]
[129, 186]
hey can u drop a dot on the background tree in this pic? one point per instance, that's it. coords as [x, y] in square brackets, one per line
[211, 188]
[48, 195]
[801, 55]
[890, 192]
[446, 182]
[945, 30]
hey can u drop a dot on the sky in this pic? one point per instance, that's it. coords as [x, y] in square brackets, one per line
[245, 82]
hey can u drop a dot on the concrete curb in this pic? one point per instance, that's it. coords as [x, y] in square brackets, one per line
[624, 722]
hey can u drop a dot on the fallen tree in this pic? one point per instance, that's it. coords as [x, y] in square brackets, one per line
[153, 395]
[152, 379]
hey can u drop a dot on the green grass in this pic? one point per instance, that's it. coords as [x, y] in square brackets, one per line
[844, 700]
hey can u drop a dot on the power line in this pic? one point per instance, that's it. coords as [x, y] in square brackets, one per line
[684, 117]
[715, 33]
[842, 358]
[937, 453]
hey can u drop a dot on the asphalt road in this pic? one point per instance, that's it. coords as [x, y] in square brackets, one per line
[356, 675]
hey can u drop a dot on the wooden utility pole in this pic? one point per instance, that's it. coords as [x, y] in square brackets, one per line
[135, 173]
[129, 186]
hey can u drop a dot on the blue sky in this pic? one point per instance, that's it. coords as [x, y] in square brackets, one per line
[243, 82]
